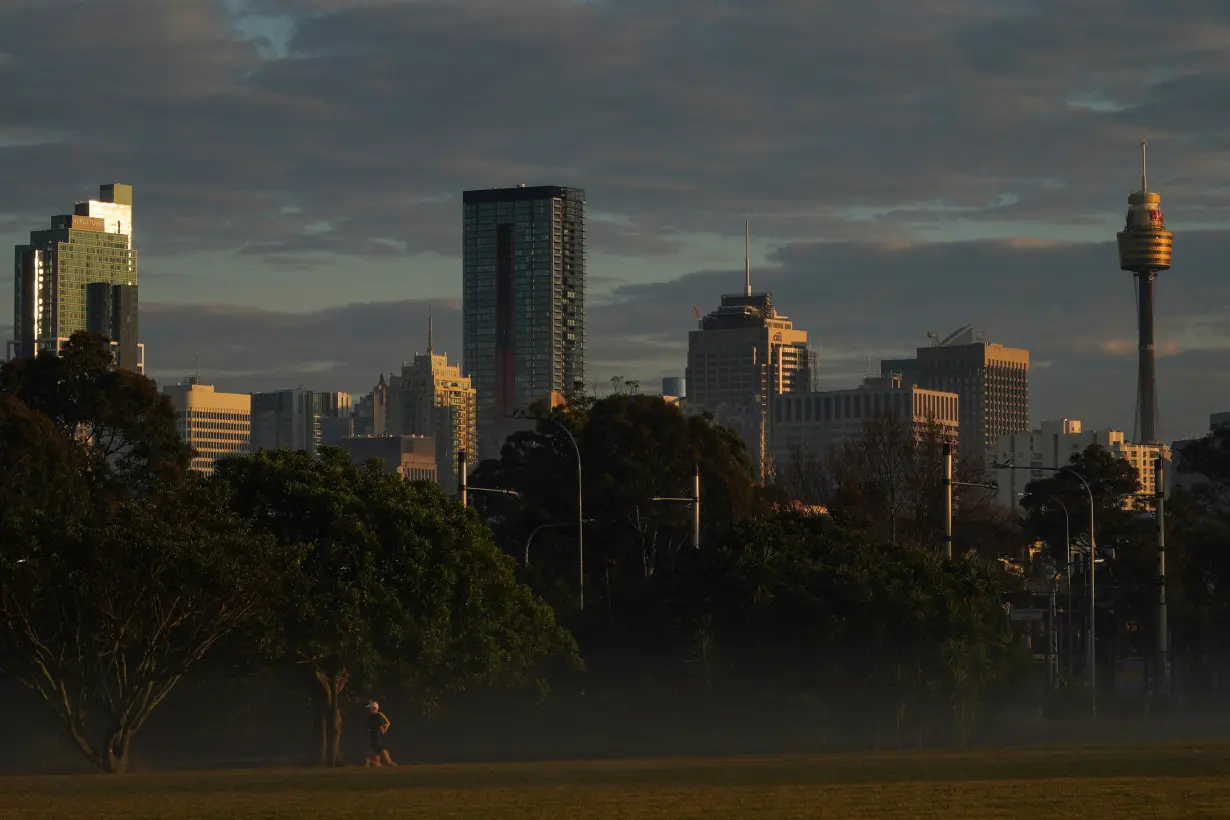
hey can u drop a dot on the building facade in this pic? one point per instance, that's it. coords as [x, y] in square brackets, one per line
[809, 425]
[1053, 445]
[432, 398]
[411, 457]
[111, 311]
[52, 273]
[741, 360]
[299, 419]
[523, 293]
[991, 379]
[214, 424]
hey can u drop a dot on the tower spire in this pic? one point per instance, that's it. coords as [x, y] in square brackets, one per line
[1144, 178]
[431, 336]
[747, 259]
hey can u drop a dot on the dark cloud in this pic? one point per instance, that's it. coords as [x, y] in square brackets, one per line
[282, 135]
[680, 115]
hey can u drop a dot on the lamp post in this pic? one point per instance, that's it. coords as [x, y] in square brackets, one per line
[521, 414]
[694, 501]
[1093, 561]
[1067, 541]
[539, 528]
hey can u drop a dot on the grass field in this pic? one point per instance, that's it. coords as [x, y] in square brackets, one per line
[1191, 780]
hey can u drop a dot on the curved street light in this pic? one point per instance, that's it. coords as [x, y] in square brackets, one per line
[1093, 553]
[521, 414]
[541, 527]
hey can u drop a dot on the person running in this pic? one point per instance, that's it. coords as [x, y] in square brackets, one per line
[377, 725]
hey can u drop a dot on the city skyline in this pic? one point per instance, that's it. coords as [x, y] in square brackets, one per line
[986, 190]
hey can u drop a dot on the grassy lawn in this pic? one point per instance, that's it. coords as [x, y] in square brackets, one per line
[1189, 780]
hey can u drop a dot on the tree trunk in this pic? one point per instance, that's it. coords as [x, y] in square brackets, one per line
[114, 754]
[329, 721]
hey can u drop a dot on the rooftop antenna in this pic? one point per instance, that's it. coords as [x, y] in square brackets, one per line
[747, 259]
[431, 338]
[1144, 177]
[197, 366]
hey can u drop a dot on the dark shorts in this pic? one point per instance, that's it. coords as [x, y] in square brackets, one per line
[376, 739]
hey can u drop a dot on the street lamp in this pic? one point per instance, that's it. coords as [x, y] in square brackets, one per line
[521, 414]
[543, 527]
[694, 501]
[1093, 552]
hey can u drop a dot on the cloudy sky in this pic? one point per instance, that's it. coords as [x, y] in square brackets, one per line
[906, 167]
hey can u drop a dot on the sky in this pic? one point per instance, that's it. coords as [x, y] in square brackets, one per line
[905, 167]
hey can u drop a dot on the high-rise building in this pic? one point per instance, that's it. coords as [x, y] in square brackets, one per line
[298, 419]
[111, 311]
[991, 379]
[214, 424]
[523, 288]
[1053, 445]
[741, 358]
[432, 398]
[54, 269]
[675, 386]
[808, 425]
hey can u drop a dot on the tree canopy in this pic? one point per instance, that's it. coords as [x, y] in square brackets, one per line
[398, 585]
[633, 448]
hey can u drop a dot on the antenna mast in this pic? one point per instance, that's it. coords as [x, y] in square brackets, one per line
[1144, 179]
[747, 259]
[431, 339]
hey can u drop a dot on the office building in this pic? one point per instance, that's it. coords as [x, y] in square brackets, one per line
[992, 381]
[299, 419]
[1217, 420]
[431, 398]
[523, 290]
[411, 457]
[53, 271]
[741, 359]
[214, 424]
[809, 425]
[1053, 446]
[111, 311]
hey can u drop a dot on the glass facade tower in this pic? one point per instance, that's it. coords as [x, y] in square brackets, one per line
[53, 271]
[523, 287]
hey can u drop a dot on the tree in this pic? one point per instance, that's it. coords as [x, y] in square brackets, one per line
[126, 429]
[633, 448]
[887, 631]
[888, 481]
[398, 583]
[104, 611]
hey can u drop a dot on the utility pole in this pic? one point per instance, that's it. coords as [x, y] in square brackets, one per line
[948, 499]
[696, 511]
[461, 474]
[1163, 628]
[694, 501]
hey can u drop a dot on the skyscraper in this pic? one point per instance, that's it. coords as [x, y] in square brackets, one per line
[523, 288]
[991, 380]
[432, 398]
[111, 311]
[743, 356]
[54, 270]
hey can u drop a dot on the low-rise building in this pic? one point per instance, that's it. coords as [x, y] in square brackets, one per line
[1053, 445]
[811, 424]
[214, 424]
[411, 457]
